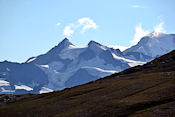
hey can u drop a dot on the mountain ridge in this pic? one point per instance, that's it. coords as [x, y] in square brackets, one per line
[154, 44]
[66, 61]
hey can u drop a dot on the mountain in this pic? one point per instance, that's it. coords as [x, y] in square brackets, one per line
[67, 65]
[63, 66]
[141, 91]
[154, 44]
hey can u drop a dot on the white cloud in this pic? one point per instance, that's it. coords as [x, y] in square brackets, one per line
[122, 48]
[68, 31]
[83, 24]
[87, 23]
[140, 32]
[58, 24]
[159, 28]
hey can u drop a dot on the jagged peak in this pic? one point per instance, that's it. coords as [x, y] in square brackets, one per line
[65, 42]
[93, 43]
[96, 47]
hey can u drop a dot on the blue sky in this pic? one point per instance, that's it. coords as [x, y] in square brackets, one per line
[32, 27]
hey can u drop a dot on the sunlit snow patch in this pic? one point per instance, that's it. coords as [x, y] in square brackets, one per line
[3, 90]
[72, 52]
[45, 66]
[30, 60]
[45, 90]
[23, 87]
[131, 63]
[95, 71]
[4, 83]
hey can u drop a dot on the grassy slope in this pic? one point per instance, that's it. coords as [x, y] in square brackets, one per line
[147, 90]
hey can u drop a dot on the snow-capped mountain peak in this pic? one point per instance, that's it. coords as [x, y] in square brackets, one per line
[156, 34]
[154, 44]
[93, 43]
[96, 47]
[65, 43]
[66, 65]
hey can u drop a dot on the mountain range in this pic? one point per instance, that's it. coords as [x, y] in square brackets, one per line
[142, 91]
[66, 65]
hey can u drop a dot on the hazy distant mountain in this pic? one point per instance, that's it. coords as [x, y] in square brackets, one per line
[66, 65]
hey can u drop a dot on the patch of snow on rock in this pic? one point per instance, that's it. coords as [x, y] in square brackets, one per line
[23, 87]
[45, 90]
[4, 83]
[95, 71]
[131, 63]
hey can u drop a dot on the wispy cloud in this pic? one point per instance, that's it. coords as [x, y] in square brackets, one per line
[83, 24]
[160, 28]
[139, 33]
[58, 24]
[68, 31]
[136, 6]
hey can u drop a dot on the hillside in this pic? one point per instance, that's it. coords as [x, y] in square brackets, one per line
[142, 91]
